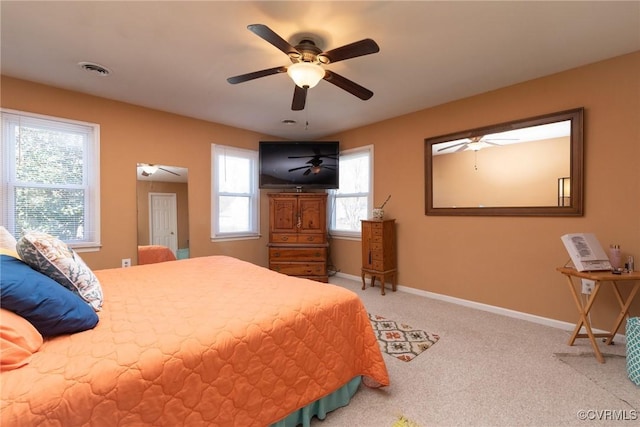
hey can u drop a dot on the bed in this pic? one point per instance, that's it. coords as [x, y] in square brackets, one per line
[150, 254]
[202, 341]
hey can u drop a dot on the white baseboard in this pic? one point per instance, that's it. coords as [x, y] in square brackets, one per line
[558, 324]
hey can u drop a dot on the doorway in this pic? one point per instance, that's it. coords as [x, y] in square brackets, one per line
[163, 220]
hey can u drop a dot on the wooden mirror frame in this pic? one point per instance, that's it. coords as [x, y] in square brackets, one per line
[575, 208]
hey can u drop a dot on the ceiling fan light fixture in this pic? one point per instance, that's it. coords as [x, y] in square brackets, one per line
[305, 74]
[149, 169]
[476, 145]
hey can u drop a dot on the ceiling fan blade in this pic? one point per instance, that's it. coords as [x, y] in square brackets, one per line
[462, 148]
[256, 74]
[270, 36]
[167, 170]
[352, 50]
[299, 98]
[296, 169]
[348, 85]
[451, 146]
[307, 172]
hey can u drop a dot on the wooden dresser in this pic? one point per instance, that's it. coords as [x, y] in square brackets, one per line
[298, 234]
[379, 252]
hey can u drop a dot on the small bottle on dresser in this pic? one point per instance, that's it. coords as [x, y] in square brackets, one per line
[614, 257]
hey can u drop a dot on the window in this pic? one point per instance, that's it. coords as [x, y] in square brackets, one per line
[353, 200]
[50, 177]
[235, 199]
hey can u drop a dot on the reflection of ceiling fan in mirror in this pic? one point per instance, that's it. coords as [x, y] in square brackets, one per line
[475, 143]
[315, 164]
[149, 169]
[308, 60]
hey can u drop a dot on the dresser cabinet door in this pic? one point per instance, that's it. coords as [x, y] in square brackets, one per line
[284, 215]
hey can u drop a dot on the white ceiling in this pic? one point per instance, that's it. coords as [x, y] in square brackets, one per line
[176, 56]
[164, 173]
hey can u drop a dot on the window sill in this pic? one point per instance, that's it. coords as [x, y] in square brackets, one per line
[85, 247]
[346, 235]
[236, 237]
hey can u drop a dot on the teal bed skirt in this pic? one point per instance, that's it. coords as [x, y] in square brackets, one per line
[321, 407]
[182, 253]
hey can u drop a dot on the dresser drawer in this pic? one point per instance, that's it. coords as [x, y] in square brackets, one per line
[376, 246]
[300, 268]
[311, 238]
[297, 254]
[284, 238]
[377, 229]
[377, 265]
[297, 238]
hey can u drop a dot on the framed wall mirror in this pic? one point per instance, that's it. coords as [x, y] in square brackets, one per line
[162, 210]
[528, 167]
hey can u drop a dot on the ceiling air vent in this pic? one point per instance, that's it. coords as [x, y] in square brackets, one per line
[95, 68]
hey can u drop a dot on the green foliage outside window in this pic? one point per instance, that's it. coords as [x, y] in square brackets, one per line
[49, 182]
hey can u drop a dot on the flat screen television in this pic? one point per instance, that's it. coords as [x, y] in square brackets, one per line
[299, 164]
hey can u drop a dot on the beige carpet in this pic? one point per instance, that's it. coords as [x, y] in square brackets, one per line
[490, 370]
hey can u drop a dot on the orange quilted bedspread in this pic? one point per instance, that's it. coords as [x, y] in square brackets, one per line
[203, 341]
[151, 254]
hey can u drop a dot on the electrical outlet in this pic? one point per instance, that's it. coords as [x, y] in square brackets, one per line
[587, 286]
[126, 262]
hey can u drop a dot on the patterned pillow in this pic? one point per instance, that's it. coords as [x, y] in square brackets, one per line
[52, 257]
[633, 349]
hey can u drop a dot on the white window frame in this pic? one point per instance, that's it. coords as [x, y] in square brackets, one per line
[91, 173]
[218, 153]
[335, 194]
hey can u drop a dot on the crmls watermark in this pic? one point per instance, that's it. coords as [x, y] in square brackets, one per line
[608, 415]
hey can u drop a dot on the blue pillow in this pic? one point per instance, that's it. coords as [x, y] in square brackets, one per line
[51, 308]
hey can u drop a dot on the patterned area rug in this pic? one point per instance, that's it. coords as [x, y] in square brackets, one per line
[401, 340]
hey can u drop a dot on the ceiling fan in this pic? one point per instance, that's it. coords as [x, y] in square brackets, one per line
[307, 64]
[315, 164]
[149, 169]
[475, 143]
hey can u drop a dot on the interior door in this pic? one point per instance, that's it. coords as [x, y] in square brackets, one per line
[163, 220]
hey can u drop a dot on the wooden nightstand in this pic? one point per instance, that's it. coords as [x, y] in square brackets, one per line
[379, 252]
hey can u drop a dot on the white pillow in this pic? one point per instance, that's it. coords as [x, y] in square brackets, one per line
[7, 241]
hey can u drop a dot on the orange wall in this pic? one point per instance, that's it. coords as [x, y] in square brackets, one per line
[510, 261]
[128, 135]
[507, 262]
